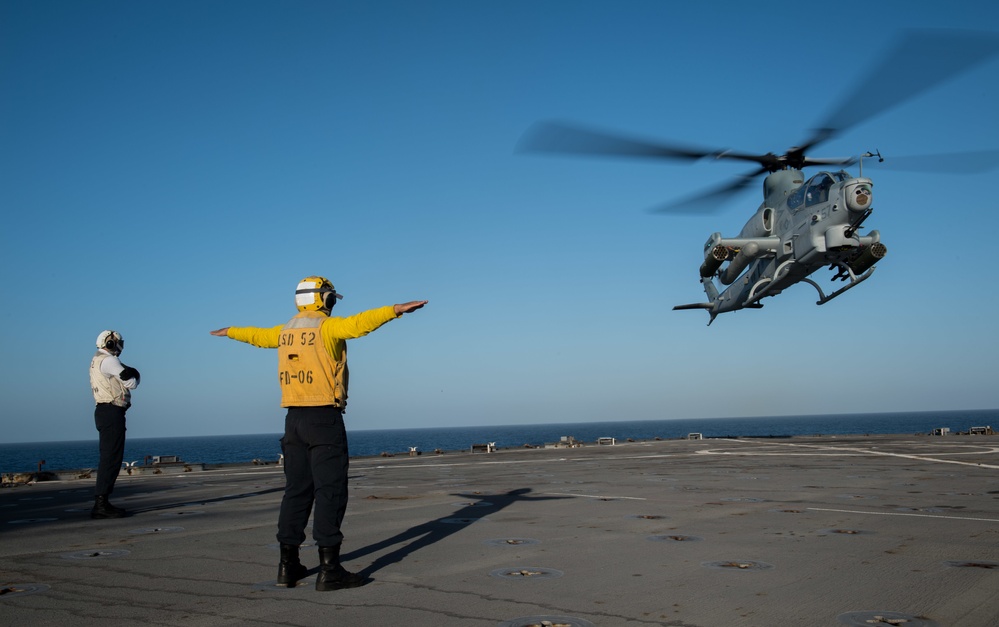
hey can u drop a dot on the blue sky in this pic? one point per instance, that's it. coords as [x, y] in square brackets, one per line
[168, 168]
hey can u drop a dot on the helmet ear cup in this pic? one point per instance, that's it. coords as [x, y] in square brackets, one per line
[312, 294]
[112, 342]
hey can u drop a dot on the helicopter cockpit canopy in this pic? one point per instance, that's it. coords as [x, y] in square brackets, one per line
[816, 189]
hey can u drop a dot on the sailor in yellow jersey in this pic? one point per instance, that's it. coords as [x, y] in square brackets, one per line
[312, 372]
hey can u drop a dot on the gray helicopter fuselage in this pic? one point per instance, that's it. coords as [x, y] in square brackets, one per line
[800, 227]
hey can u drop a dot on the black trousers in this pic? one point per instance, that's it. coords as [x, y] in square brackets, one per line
[110, 421]
[315, 471]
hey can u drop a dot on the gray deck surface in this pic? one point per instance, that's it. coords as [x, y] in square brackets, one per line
[827, 530]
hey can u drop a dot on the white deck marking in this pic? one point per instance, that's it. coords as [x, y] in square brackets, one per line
[852, 511]
[846, 450]
[597, 496]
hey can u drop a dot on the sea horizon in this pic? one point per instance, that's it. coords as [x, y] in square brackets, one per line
[236, 448]
[351, 430]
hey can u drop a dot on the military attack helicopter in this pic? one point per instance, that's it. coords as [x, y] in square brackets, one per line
[802, 225]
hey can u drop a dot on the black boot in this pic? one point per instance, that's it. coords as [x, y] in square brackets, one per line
[333, 576]
[290, 570]
[104, 509]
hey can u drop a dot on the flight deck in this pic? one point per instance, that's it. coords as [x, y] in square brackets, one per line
[819, 531]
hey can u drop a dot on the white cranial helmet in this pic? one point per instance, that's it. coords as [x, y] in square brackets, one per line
[111, 341]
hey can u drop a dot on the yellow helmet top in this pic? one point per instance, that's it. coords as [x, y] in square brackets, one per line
[315, 293]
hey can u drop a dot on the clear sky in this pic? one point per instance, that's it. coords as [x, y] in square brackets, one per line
[172, 167]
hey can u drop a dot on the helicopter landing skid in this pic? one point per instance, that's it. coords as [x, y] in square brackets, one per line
[854, 281]
[765, 285]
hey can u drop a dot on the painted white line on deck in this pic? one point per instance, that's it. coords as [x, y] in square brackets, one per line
[413, 465]
[228, 473]
[851, 511]
[846, 450]
[832, 453]
[595, 496]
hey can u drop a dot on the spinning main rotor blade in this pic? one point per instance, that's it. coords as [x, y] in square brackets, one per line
[919, 60]
[710, 201]
[560, 137]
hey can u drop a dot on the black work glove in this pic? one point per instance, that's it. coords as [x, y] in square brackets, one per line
[129, 372]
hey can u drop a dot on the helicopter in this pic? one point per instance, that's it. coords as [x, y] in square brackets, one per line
[802, 225]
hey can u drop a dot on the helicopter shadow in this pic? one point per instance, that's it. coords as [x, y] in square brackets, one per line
[433, 531]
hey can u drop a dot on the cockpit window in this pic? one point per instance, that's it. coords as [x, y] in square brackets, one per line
[817, 189]
[796, 198]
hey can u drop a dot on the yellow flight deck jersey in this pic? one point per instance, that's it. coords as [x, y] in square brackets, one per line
[312, 353]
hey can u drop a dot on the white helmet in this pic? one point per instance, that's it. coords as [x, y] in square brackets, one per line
[111, 341]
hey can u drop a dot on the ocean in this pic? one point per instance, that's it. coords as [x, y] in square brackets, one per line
[227, 449]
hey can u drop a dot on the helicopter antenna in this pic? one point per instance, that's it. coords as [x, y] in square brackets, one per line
[876, 153]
